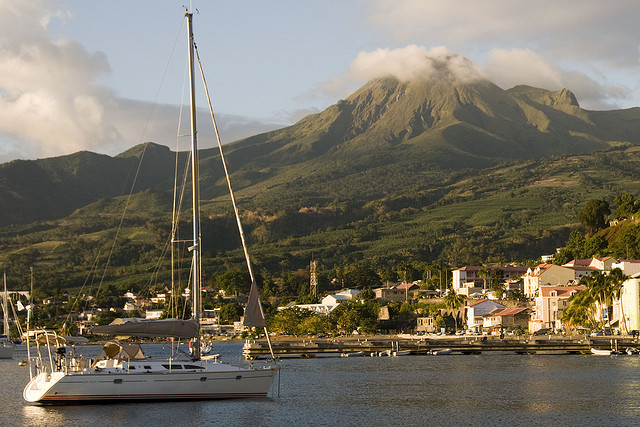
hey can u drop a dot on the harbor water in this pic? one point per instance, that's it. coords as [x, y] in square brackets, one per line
[484, 389]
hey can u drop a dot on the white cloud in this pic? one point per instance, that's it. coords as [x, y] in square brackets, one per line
[52, 104]
[409, 63]
[48, 97]
[508, 68]
[580, 46]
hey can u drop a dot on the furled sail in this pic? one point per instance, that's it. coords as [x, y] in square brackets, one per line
[176, 328]
[253, 314]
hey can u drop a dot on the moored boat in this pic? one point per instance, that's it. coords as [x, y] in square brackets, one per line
[121, 371]
[601, 351]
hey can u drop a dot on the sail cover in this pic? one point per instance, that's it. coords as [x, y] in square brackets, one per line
[253, 315]
[176, 328]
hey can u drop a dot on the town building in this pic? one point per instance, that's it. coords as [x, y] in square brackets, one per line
[630, 303]
[478, 310]
[550, 303]
[467, 280]
[546, 274]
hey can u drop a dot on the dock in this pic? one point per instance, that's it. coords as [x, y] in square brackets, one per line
[373, 346]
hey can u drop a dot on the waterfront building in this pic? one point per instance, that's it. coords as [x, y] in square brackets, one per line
[508, 318]
[550, 303]
[546, 274]
[478, 310]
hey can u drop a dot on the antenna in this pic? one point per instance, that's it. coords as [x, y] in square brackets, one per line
[313, 284]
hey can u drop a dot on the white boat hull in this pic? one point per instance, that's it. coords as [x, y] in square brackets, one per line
[100, 386]
[601, 352]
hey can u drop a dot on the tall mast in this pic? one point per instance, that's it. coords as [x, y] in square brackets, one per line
[196, 263]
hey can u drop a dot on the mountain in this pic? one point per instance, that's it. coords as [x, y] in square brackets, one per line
[446, 169]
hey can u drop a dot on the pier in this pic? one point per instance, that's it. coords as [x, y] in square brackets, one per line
[309, 348]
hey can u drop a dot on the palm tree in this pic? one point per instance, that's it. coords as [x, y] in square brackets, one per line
[601, 288]
[579, 311]
[453, 302]
[484, 273]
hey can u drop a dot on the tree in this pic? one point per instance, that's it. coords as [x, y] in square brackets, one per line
[307, 299]
[229, 313]
[595, 246]
[616, 280]
[626, 206]
[594, 215]
[234, 280]
[484, 274]
[453, 302]
[578, 312]
[288, 321]
[575, 244]
[367, 295]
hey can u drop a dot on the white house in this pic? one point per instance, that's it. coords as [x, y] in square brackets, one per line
[478, 310]
[330, 302]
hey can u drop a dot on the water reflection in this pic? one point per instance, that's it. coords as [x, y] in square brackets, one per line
[43, 415]
[419, 390]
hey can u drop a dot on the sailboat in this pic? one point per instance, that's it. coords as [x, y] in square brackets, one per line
[122, 372]
[6, 346]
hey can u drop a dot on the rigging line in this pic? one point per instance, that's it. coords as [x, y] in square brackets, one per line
[233, 199]
[226, 172]
[91, 271]
[152, 113]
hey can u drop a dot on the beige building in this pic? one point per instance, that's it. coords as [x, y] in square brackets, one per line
[546, 274]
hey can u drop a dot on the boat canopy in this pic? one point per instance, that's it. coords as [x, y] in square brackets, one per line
[176, 328]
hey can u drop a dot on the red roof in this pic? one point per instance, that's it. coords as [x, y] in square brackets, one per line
[503, 268]
[561, 291]
[511, 311]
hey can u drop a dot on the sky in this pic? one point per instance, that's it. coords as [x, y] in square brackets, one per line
[104, 76]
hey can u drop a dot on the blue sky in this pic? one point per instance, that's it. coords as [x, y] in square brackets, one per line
[104, 76]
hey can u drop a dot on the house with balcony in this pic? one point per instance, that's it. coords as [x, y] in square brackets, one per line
[550, 304]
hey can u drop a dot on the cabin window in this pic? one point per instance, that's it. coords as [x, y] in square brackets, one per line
[148, 367]
[193, 367]
[167, 366]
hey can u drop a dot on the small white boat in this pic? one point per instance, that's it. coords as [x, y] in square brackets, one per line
[384, 353]
[601, 352]
[401, 353]
[440, 352]
[356, 354]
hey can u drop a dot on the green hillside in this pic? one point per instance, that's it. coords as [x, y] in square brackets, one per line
[413, 172]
